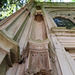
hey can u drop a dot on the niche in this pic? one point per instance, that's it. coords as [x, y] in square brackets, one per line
[38, 7]
[38, 18]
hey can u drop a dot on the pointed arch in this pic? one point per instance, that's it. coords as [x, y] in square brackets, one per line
[63, 22]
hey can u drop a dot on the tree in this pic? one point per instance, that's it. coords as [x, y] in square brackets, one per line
[2, 2]
[73, 0]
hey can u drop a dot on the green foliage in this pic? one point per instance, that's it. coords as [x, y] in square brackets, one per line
[2, 2]
[44, 0]
[7, 11]
[7, 7]
[73, 0]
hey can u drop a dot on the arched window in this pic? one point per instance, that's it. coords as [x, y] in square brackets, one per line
[62, 22]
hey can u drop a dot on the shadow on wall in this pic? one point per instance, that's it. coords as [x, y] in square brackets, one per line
[38, 18]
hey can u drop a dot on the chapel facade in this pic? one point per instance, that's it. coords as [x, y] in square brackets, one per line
[39, 39]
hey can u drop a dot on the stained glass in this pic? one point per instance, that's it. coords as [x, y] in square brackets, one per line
[62, 22]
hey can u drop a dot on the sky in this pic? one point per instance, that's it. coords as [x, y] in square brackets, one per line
[59, 0]
[67, 0]
[62, 0]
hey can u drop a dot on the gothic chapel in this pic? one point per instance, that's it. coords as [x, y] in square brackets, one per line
[39, 39]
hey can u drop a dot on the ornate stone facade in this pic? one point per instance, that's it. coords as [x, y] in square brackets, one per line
[32, 44]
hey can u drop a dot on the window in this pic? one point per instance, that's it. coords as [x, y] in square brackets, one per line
[62, 22]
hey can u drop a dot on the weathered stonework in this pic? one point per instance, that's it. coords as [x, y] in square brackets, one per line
[32, 44]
